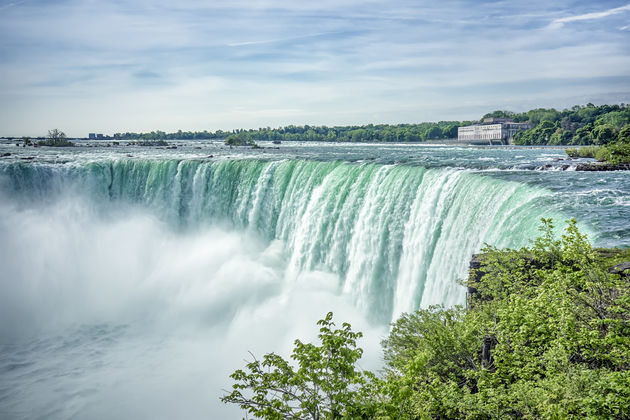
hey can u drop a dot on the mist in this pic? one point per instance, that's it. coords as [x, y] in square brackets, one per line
[121, 315]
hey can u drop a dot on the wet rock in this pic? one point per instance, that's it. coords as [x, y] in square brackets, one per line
[622, 269]
[602, 167]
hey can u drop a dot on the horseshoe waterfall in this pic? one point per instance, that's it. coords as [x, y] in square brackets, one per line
[142, 281]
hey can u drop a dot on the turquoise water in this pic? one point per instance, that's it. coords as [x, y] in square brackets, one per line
[134, 274]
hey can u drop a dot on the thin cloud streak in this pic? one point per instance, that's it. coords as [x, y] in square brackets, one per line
[591, 16]
[272, 41]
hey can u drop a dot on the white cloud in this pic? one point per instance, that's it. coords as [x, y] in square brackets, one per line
[590, 16]
[246, 63]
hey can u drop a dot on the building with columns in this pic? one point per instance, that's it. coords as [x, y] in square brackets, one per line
[499, 130]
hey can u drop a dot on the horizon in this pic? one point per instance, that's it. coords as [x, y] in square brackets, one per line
[135, 66]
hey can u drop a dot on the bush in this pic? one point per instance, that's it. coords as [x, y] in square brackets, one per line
[617, 153]
[548, 336]
[240, 139]
[582, 152]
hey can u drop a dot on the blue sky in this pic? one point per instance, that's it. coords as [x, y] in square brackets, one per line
[140, 65]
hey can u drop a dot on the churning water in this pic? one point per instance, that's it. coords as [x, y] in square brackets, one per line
[134, 280]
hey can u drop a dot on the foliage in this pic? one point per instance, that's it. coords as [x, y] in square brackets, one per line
[56, 138]
[615, 153]
[546, 335]
[582, 152]
[324, 385]
[499, 114]
[624, 134]
[541, 134]
[240, 139]
[579, 125]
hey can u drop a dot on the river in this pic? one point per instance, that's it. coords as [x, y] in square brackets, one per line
[135, 279]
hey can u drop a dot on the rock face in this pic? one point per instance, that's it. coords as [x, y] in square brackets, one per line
[602, 167]
[622, 269]
[474, 276]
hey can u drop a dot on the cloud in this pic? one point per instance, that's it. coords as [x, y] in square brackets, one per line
[246, 63]
[589, 16]
[9, 5]
[271, 41]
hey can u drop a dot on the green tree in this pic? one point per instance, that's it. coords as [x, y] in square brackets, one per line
[434, 132]
[325, 384]
[498, 114]
[560, 136]
[624, 134]
[240, 139]
[546, 335]
[604, 133]
[583, 135]
[615, 118]
[450, 131]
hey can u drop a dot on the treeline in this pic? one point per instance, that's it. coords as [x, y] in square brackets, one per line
[546, 335]
[580, 125]
[364, 133]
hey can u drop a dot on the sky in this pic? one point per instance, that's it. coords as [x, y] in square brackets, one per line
[139, 65]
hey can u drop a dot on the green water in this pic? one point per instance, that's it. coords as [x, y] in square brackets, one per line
[135, 279]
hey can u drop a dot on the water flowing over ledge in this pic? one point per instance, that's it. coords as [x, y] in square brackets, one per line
[398, 237]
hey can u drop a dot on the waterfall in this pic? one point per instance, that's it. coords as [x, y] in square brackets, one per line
[397, 237]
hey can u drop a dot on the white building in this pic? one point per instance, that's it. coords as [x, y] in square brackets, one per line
[500, 129]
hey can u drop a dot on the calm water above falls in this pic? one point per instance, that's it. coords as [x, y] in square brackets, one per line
[135, 279]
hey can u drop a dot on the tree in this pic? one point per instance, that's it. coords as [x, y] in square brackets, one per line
[450, 131]
[324, 385]
[434, 132]
[624, 135]
[498, 114]
[604, 133]
[240, 139]
[56, 135]
[583, 135]
[56, 138]
[546, 335]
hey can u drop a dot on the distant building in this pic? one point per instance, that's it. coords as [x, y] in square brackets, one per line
[500, 129]
[92, 136]
[99, 136]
